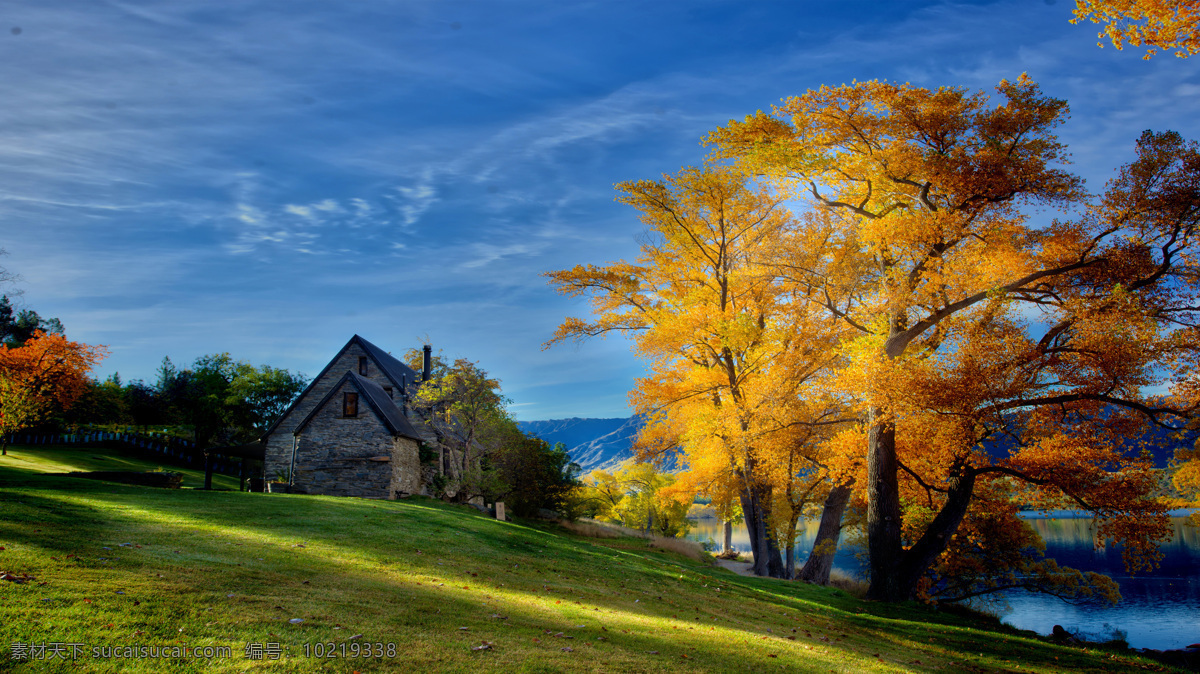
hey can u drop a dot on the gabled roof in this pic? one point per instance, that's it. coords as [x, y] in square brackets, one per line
[398, 373]
[376, 398]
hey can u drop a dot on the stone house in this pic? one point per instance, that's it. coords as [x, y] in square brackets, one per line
[351, 432]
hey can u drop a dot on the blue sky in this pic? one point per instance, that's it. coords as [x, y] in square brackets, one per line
[186, 177]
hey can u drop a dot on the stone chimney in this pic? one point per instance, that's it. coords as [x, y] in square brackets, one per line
[427, 367]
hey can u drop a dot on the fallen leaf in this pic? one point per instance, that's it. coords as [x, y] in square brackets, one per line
[485, 646]
[567, 649]
[296, 621]
[356, 636]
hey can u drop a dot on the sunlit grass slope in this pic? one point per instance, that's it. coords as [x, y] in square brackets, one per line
[59, 459]
[120, 566]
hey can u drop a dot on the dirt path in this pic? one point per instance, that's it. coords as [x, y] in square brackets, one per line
[740, 568]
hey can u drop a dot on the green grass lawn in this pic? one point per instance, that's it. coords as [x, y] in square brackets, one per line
[60, 459]
[426, 583]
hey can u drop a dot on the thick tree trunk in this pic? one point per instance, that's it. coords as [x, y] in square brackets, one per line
[884, 542]
[727, 546]
[789, 555]
[820, 562]
[766, 554]
[895, 572]
[933, 542]
[208, 470]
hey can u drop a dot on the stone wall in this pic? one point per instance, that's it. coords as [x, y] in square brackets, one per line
[279, 444]
[334, 454]
[406, 468]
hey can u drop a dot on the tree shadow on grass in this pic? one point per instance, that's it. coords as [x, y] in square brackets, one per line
[229, 568]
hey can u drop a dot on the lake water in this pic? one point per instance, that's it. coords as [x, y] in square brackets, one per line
[1157, 610]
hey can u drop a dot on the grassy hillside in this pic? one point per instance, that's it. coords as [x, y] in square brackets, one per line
[23, 462]
[116, 565]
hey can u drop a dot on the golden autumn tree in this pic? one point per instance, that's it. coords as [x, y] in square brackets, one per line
[969, 315]
[48, 371]
[715, 327]
[1185, 477]
[1153, 24]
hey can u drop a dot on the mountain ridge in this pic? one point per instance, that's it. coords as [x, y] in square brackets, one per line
[595, 444]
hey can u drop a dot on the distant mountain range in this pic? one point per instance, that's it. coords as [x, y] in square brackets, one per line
[595, 444]
[601, 444]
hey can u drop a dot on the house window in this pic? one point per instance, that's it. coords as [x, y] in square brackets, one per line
[362, 365]
[349, 404]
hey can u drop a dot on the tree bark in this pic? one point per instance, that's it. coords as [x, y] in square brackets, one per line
[789, 555]
[208, 470]
[820, 562]
[727, 547]
[767, 561]
[884, 542]
[933, 542]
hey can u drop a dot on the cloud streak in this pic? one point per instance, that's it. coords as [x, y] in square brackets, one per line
[199, 175]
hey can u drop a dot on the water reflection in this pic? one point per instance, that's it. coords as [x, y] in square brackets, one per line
[1157, 610]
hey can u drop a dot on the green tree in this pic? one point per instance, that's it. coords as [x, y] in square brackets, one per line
[533, 475]
[17, 327]
[224, 401]
[598, 494]
[262, 394]
[638, 496]
[466, 410]
[102, 402]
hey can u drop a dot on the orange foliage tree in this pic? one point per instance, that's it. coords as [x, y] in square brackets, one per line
[974, 325]
[1155, 24]
[729, 377]
[47, 372]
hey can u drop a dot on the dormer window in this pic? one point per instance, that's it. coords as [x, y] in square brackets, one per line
[349, 404]
[362, 365]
